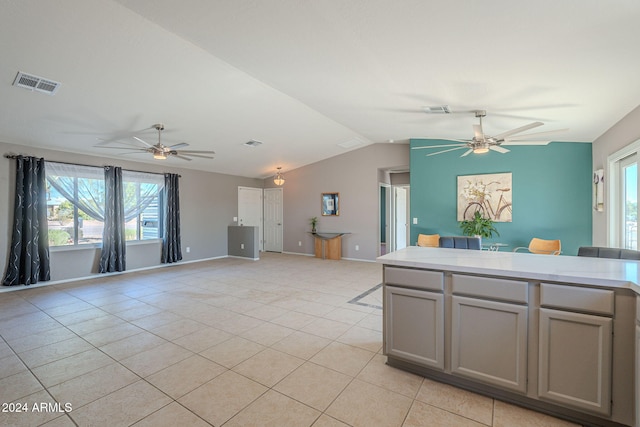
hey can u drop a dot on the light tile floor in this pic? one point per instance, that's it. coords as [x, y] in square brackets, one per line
[284, 341]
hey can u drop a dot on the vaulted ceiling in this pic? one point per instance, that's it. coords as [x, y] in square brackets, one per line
[310, 79]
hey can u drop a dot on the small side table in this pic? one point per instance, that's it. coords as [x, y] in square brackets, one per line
[495, 247]
[328, 245]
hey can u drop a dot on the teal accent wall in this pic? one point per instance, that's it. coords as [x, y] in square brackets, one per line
[551, 191]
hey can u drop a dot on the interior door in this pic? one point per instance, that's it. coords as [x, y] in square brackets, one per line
[401, 217]
[250, 209]
[385, 217]
[273, 219]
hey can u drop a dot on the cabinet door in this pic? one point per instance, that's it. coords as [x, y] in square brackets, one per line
[489, 342]
[414, 326]
[575, 360]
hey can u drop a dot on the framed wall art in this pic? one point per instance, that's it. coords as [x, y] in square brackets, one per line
[489, 194]
[330, 204]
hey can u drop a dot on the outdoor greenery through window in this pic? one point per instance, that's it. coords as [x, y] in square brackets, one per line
[629, 170]
[76, 201]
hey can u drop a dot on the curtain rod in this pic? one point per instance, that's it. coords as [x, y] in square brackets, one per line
[15, 156]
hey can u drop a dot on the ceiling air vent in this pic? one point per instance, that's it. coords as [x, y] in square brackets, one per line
[438, 109]
[253, 143]
[39, 84]
[352, 143]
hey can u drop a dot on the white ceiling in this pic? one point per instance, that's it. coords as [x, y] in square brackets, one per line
[303, 76]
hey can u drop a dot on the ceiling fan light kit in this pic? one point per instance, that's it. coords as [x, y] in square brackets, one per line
[482, 143]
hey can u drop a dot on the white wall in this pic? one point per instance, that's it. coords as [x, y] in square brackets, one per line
[355, 175]
[623, 133]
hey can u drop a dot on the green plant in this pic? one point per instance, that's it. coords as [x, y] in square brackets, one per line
[478, 226]
[129, 234]
[58, 237]
[314, 222]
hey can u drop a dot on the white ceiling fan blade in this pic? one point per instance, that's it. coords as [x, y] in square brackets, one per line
[508, 133]
[537, 134]
[499, 149]
[478, 133]
[179, 145]
[182, 157]
[194, 155]
[444, 151]
[144, 142]
[122, 148]
[131, 152]
[510, 142]
[466, 153]
[437, 146]
[197, 151]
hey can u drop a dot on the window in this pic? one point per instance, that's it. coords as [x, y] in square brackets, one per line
[76, 199]
[141, 204]
[75, 204]
[629, 205]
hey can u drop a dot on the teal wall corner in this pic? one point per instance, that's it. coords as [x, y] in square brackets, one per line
[551, 191]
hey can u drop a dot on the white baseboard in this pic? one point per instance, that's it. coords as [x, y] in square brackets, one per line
[100, 275]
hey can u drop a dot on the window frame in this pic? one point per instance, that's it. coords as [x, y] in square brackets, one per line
[135, 177]
[616, 163]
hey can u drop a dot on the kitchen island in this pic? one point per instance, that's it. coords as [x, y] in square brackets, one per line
[558, 334]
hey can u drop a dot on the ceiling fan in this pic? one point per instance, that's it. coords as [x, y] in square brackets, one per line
[159, 150]
[482, 143]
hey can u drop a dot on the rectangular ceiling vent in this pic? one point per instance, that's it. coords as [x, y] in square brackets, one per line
[352, 143]
[438, 109]
[253, 143]
[39, 84]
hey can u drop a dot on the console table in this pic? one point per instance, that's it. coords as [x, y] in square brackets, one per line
[328, 245]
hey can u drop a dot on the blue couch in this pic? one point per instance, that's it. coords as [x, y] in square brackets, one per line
[614, 253]
[460, 242]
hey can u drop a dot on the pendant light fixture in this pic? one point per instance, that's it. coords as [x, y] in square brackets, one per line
[279, 179]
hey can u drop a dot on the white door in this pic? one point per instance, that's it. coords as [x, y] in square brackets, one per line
[401, 217]
[250, 209]
[273, 219]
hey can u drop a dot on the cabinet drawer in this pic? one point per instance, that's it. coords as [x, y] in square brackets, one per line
[418, 279]
[488, 287]
[588, 300]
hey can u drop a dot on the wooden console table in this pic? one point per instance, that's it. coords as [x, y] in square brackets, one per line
[328, 245]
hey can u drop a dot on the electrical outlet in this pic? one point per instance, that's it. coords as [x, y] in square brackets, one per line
[235, 219]
[299, 243]
[188, 249]
[357, 247]
[415, 221]
[241, 245]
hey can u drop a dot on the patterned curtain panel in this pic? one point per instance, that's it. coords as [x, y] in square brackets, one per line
[113, 253]
[171, 251]
[29, 252]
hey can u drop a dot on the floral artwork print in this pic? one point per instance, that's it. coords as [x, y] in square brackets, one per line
[489, 194]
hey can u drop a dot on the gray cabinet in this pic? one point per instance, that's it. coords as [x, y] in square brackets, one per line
[489, 330]
[576, 346]
[489, 342]
[544, 345]
[414, 326]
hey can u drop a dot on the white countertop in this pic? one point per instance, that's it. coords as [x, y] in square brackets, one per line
[570, 269]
